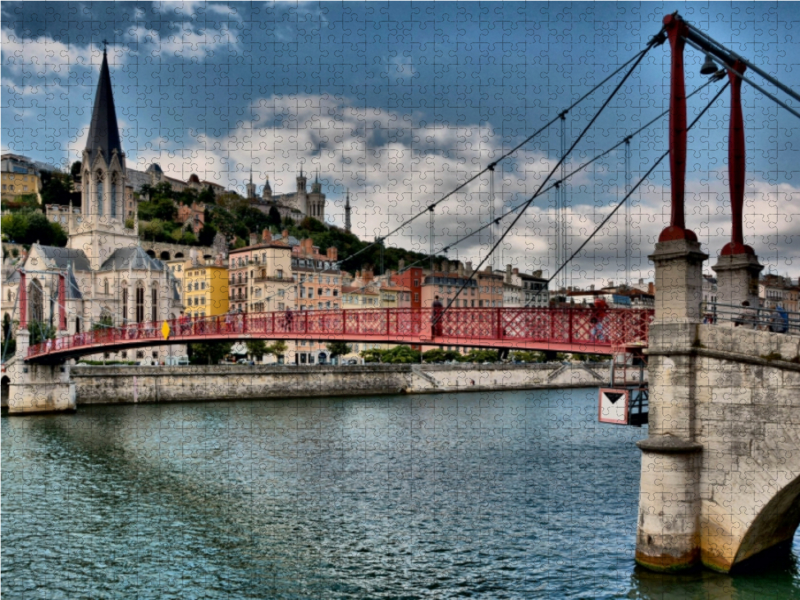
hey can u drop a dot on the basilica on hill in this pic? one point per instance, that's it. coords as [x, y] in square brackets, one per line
[110, 280]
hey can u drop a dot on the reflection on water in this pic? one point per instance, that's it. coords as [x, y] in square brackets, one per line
[493, 495]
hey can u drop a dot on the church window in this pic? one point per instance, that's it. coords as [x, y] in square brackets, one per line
[98, 188]
[139, 303]
[77, 324]
[36, 301]
[105, 286]
[125, 304]
[154, 303]
[114, 196]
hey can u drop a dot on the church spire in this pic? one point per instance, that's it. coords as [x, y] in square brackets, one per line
[347, 223]
[103, 130]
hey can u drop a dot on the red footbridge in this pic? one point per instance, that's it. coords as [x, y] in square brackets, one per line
[584, 330]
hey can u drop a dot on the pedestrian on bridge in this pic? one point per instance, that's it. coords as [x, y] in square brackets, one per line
[438, 313]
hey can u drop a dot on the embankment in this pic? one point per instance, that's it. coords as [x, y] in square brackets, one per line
[109, 385]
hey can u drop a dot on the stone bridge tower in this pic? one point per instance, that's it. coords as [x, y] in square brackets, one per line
[720, 475]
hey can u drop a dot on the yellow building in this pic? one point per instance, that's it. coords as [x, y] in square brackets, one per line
[19, 177]
[205, 292]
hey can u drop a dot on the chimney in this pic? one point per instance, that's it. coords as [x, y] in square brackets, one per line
[445, 266]
[538, 273]
[515, 271]
[460, 270]
[219, 261]
[285, 233]
[591, 288]
[469, 267]
[333, 253]
[401, 264]
[266, 236]
[366, 275]
[610, 283]
[253, 239]
[641, 281]
[651, 289]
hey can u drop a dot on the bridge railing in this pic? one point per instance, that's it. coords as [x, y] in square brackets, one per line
[760, 318]
[466, 326]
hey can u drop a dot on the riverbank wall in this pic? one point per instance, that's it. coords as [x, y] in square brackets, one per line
[128, 384]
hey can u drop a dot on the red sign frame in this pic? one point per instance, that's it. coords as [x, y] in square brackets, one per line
[627, 395]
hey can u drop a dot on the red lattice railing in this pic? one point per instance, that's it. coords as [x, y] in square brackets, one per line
[584, 329]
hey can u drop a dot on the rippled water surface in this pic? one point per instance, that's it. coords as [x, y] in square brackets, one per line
[493, 495]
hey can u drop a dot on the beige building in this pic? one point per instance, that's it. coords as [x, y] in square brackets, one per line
[19, 177]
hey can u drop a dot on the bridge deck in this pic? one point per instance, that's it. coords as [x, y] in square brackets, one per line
[587, 330]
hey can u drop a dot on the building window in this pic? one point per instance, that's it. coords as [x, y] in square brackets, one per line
[139, 303]
[98, 188]
[125, 304]
[154, 304]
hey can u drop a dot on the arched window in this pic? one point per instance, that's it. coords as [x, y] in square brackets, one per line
[98, 188]
[36, 295]
[114, 183]
[139, 302]
[105, 286]
[87, 178]
[154, 303]
[77, 324]
[125, 303]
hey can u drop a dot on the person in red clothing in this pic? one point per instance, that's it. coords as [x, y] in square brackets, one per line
[599, 313]
[438, 313]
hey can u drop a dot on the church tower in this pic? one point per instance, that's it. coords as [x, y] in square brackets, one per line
[347, 222]
[301, 196]
[251, 187]
[102, 227]
[266, 194]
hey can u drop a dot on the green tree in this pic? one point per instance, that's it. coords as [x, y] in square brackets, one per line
[154, 230]
[56, 188]
[75, 169]
[336, 349]
[8, 341]
[40, 331]
[372, 356]
[28, 227]
[207, 234]
[274, 217]
[400, 355]
[256, 348]
[104, 323]
[480, 356]
[527, 356]
[208, 354]
[277, 349]
[207, 196]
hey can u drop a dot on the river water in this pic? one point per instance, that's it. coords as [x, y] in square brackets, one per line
[470, 495]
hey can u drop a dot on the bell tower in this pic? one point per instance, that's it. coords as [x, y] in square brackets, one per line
[102, 227]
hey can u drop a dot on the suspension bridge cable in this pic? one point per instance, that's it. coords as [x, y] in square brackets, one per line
[659, 38]
[549, 175]
[646, 175]
[627, 211]
[514, 209]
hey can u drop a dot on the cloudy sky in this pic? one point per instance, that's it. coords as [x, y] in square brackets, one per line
[401, 102]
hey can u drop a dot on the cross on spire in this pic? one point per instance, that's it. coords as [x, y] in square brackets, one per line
[105, 44]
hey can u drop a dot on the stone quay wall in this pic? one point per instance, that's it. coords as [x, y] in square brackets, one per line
[110, 385]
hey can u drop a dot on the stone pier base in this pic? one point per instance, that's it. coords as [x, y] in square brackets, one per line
[41, 398]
